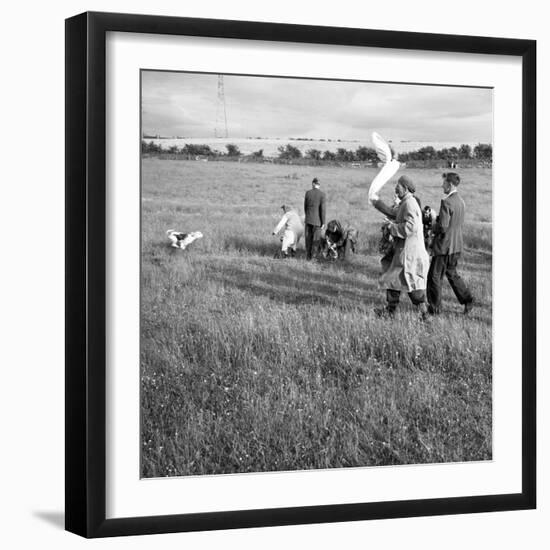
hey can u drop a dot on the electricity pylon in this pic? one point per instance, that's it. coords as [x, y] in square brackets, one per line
[220, 131]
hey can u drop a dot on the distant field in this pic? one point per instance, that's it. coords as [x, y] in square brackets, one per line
[250, 364]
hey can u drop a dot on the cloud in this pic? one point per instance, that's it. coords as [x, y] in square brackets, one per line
[185, 104]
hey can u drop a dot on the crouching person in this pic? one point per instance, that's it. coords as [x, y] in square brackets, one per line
[292, 228]
[339, 241]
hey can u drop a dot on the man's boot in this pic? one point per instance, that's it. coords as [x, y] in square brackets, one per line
[422, 309]
[386, 311]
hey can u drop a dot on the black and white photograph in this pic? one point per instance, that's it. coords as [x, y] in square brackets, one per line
[316, 274]
[289, 288]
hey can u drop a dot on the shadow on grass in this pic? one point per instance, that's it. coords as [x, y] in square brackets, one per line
[288, 282]
[357, 265]
[251, 246]
[367, 247]
[348, 285]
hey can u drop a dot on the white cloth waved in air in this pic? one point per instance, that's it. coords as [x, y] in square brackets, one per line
[388, 169]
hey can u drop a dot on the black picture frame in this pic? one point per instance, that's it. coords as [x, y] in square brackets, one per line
[86, 273]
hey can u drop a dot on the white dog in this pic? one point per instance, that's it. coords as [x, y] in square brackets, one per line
[182, 240]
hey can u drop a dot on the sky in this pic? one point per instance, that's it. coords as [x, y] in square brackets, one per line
[185, 104]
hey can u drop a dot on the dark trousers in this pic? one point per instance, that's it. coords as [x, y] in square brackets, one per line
[313, 240]
[446, 266]
[417, 297]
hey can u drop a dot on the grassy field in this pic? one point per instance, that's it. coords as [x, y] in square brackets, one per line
[251, 364]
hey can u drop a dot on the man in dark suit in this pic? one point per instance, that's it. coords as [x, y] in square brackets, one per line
[447, 247]
[315, 209]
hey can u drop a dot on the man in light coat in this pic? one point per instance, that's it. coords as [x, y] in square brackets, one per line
[293, 230]
[408, 270]
[386, 246]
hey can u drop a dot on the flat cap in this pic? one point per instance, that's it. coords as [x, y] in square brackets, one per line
[407, 182]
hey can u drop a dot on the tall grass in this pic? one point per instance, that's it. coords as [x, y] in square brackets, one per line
[256, 364]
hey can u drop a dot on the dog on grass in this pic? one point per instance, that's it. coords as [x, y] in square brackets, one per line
[182, 240]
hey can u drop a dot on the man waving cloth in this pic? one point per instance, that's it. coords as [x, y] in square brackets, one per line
[408, 269]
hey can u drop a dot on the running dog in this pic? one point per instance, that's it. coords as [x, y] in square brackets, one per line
[182, 240]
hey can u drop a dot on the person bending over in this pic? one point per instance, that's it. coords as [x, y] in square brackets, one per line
[293, 230]
[340, 241]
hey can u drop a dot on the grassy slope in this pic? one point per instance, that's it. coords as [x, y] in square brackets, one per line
[256, 364]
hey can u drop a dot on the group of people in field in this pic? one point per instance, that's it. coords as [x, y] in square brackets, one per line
[328, 240]
[418, 247]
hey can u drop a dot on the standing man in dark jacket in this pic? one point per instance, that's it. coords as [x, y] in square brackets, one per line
[315, 209]
[447, 247]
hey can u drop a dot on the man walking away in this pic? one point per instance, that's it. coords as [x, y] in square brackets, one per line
[315, 210]
[447, 247]
[293, 230]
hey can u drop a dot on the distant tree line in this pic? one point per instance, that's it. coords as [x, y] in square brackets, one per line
[188, 149]
[361, 154]
[481, 152]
